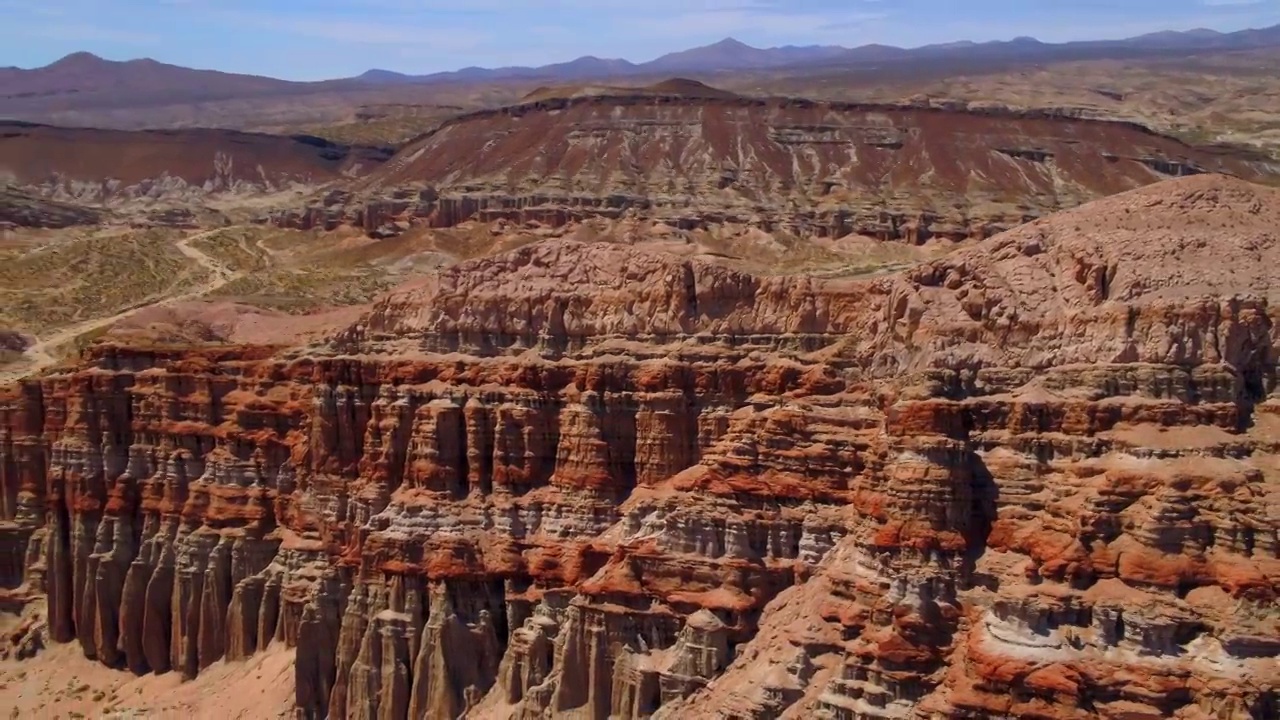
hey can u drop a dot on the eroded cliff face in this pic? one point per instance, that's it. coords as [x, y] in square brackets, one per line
[1038, 479]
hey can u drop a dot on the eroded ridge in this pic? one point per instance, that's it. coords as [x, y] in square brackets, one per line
[1035, 479]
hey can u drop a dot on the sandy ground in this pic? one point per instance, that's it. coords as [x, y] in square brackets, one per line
[61, 683]
[231, 322]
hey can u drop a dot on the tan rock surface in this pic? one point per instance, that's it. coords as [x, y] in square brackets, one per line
[1033, 479]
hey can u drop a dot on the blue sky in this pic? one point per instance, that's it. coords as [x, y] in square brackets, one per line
[316, 39]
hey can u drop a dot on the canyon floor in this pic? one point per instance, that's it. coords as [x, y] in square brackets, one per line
[62, 683]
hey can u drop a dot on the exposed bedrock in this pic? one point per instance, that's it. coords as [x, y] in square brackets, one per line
[585, 481]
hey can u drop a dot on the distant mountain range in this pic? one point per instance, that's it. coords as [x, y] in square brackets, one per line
[84, 88]
[728, 54]
[88, 81]
[732, 55]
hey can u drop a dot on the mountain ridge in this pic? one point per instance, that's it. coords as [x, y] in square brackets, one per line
[724, 55]
[732, 54]
[85, 89]
[96, 82]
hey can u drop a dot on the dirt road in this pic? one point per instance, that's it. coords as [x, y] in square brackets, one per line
[41, 355]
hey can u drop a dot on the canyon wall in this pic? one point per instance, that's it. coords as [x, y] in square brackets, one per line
[1036, 479]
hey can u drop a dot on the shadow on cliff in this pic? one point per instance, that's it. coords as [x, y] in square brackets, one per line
[982, 515]
[1256, 384]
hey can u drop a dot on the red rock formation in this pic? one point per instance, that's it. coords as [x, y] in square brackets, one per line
[1034, 479]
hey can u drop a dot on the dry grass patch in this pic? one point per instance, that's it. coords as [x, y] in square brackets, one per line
[308, 289]
[238, 249]
[84, 275]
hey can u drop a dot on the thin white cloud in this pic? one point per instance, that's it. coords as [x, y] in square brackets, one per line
[86, 33]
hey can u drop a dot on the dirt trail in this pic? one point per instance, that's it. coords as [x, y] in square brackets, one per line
[40, 355]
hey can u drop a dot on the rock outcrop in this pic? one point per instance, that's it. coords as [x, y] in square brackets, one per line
[1034, 479]
[903, 173]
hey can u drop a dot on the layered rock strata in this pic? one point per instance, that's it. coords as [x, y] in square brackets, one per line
[902, 173]
[1037, 479]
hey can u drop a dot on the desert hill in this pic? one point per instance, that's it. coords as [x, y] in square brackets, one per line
[691, 157]
[1118, 280]
[1024, 479]
[92, 164]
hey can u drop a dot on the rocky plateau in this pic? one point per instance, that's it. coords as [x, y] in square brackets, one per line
[1035, 478]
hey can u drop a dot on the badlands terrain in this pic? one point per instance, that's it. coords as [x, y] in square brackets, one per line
[562, 396]
[258, 229]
